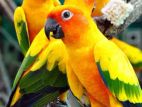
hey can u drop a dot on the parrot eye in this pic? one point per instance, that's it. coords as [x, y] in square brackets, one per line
[66, 15]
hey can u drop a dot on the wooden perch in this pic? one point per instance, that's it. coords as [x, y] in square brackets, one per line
[109, 30]
[11, 4]
[4, 75]
[8, 8]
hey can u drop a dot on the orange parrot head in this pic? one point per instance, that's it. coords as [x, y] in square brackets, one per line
[65, 19]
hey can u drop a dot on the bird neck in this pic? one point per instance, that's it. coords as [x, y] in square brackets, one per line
[86, 38]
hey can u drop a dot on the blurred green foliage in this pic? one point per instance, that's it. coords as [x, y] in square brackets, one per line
[8, 26]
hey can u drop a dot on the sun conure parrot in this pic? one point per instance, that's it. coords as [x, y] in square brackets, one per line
[94, 64]
[39, 80]
[29, 19]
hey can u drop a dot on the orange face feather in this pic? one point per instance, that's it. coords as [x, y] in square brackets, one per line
[70, 25]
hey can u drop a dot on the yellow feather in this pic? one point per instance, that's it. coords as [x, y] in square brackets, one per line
[49, 52]
[42, 57]
[16, 96]
[114, 102]
[115, 62]
[75, 85]
[19, 16]
[134, 54]
[38, 44]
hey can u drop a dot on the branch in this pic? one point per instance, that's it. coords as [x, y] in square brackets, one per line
[5, 77]
[9, 38]
[3, 97]
[6, 9]
[136, 13]
[11, 4]
[108, 29]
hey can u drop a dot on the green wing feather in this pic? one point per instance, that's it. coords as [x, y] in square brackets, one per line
[43, 87]
[21, 29]
[31, 56]
[117, 72]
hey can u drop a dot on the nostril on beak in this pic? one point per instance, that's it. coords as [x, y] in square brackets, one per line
[55, 28]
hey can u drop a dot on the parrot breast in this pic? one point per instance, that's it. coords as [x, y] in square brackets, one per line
[86, 70]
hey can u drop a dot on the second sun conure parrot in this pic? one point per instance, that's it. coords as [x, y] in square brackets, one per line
[94, 64]
[29, 19]
[134, 54]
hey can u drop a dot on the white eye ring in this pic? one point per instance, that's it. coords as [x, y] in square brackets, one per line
[66, 15]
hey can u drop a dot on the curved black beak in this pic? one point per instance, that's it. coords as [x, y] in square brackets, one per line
[55, 28]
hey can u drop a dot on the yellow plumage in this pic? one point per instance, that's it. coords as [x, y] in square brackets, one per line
[115, 61]
[134, 54]
[99, 64]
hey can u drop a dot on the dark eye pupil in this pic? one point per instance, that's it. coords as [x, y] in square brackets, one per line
[66, 14]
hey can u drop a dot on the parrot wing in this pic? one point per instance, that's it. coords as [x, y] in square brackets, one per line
[42, 56]
[39, 78]
[21, 29]
[117, 72]
[39, 88]
[134, 54]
